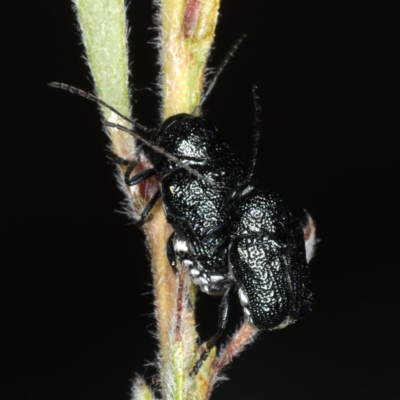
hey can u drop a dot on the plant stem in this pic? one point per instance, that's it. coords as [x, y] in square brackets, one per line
[186, 33]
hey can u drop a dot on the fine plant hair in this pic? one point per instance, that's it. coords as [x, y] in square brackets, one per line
[184, 38]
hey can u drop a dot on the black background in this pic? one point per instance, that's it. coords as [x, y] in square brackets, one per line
[76, 286]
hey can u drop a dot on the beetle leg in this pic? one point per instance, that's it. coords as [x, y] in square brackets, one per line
[136, 179]
[185, 230]
[114, 159]
[147, 208]
[222, 322]
[171, 252]
[139, 177]
[131, 165]
[210, 234]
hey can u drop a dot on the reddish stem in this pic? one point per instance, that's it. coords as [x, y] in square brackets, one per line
[245, 335]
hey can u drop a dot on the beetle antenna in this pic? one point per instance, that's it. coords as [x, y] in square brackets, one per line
[256, 132]
[92, 97]
[137, 135]
[165, 153]
[222, 66]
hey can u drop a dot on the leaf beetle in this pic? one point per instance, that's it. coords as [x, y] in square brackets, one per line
[233, 234]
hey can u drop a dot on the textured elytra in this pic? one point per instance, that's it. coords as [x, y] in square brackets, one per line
[233, 234]
[197, 142]
[195, 209]
[267, 257]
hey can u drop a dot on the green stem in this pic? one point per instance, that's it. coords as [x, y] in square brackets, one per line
[186, 34]
[103, 27]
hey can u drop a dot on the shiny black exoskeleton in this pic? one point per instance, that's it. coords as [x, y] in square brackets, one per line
[267, 258]
[267, 262]
[233, 234]
[195, 207]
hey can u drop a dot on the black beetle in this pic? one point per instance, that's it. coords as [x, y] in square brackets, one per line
[233, 234]
[194, 206]
[267, 258]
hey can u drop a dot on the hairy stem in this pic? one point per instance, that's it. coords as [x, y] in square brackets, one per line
[186, 32]
[103, 27]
